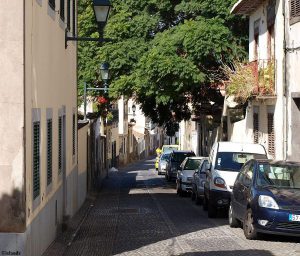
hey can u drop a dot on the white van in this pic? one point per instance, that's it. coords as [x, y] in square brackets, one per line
[225, 161]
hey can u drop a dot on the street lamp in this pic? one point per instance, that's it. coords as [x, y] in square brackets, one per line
[101, 11]
[104, 71]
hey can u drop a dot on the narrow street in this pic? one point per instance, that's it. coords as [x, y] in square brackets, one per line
[138, 213]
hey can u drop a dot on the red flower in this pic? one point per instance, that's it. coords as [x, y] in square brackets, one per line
[102, 100]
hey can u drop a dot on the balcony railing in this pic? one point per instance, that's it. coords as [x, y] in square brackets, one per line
[264, 73]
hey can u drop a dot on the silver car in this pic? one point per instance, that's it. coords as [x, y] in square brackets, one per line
[185, 174]
[198, 181]
[163, 163]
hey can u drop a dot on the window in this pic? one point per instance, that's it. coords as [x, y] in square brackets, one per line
[62, 10]
[52, 4]
[36, 159]
[74, 135]
[256, 39]
[294, 11]
[59, 144]
[49, 151]
[69, 15]
[271, 135]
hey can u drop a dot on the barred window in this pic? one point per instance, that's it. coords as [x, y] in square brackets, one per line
[59, 144]
[36, 159]
[49, 151]
[74, 135]
[294, 11]
[52, 4]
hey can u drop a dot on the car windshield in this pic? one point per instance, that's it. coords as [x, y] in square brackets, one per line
[169, 149]
[230, 161]
[192, 164]
[179, 157]
[281, 176]
[165, 157]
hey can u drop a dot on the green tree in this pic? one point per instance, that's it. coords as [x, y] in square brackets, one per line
[165, 54]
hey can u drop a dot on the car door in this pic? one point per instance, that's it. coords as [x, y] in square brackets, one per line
[237, 192]
[246, 188]
[202, 175]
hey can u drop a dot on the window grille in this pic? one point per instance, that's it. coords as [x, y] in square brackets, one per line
[36, 159]
[74, 136]
[59, 144]
[271, 135]
[52, 4]
[49, 151]
[62, 10]
[255, 127]
[294, 11]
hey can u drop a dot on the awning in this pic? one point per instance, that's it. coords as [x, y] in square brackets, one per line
[246, 7]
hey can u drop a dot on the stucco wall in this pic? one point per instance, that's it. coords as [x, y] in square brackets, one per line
[12, 210]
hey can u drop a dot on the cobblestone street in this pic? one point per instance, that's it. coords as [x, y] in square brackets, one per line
[138, 213]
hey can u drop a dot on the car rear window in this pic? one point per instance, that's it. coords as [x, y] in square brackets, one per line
[192, 164]
[179, 157]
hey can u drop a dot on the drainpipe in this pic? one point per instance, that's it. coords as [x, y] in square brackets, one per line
[285, 88]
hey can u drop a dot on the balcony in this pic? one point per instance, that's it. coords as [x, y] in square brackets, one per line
[254, 79]
[264, 73]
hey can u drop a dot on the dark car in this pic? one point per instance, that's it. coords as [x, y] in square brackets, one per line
[175, 160]
[266, 198]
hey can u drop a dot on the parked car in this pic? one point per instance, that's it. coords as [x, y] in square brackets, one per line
[185, 174]
[266, 198]
[163, 163]
[225, 162]
[176, 158]
[198, 181]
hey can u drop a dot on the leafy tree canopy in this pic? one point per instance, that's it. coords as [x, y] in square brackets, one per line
[165, 54]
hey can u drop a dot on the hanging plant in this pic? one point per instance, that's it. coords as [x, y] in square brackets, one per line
[102, 100]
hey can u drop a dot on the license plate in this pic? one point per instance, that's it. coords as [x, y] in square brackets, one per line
[294, 217]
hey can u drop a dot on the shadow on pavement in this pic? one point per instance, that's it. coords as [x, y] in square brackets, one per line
[230, 253]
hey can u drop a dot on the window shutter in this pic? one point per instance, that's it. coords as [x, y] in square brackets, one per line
[74, 136]
[271, 135]
[62, 10]
[294, 11]
[36, 159]
[52, 4]
[59, 144]
[255, 127]
[49, 151]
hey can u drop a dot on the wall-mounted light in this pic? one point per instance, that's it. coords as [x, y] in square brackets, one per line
[101, 11]
[133, 109]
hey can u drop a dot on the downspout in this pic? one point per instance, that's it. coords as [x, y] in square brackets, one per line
[285, 87]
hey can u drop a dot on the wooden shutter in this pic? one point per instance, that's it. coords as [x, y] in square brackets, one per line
[271, 135]
[59, 144]
[52, 4]
[74, 136]
[36, 159]
[49, 151]
[62, 10]
[255, 127]
[294, 11]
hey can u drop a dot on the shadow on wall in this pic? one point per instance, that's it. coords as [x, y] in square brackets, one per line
[12, 212]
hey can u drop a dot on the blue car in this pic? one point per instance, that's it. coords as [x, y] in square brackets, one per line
[266, 198]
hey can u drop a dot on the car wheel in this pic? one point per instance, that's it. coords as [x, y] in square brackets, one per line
[179, 190]
[204, 203]
[233, 221]
[211, 210]
[250, 231]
